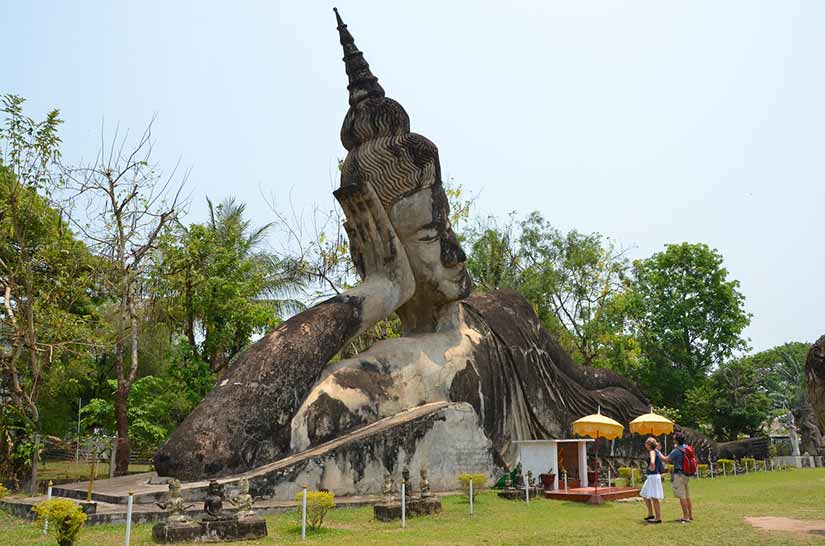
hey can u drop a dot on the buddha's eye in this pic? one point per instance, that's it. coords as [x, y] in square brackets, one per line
[428, 236]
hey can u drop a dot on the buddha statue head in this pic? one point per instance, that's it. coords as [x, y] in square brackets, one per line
[404, 170]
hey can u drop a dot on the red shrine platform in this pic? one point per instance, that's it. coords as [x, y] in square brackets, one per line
[588, 494]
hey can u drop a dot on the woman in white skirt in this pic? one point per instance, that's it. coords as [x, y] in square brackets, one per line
[652, 491]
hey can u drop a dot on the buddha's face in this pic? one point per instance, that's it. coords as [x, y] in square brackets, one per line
[422, 223]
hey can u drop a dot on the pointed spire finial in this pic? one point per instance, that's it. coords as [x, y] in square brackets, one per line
[362, 83]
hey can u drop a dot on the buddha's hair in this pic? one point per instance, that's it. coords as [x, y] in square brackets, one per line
[376, 133]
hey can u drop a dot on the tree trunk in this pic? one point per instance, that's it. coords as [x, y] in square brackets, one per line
[122, 419]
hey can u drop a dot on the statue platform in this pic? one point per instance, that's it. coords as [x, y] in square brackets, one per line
[414, 507]
[519, 494]
[210, 530]
[590, 495]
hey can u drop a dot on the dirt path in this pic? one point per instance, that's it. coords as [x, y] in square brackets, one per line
[799, 526]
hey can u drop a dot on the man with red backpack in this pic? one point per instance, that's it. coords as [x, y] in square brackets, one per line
[685, 465]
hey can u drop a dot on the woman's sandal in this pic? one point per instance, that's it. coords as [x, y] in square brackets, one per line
[650, 518]
[654, 521]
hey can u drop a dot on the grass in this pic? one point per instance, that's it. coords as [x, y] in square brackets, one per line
[719, 505]
[68, 470]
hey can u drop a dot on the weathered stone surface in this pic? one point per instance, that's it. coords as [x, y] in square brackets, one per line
[168, 533]
[520, 493]
[447, 441]
[413, 508]
[815, 375]
[226, 529]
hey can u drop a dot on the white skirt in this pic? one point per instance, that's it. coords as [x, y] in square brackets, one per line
[652, 489]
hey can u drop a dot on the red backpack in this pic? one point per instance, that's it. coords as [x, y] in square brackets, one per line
[690, 464]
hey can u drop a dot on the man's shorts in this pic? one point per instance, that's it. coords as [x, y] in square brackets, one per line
[680, 486]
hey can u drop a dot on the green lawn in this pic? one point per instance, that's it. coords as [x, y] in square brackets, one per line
[63, 470]
[720, 506]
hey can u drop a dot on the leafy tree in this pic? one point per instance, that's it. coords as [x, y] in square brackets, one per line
[575, 281]
[732, 402]
[157, 404]
[47, 278]
[690, 319]
[782, 369]
[220, 287]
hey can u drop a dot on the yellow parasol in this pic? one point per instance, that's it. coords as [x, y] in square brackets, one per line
[598, 426]
[652, 424]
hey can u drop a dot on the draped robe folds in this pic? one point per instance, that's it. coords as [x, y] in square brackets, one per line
[530, 388]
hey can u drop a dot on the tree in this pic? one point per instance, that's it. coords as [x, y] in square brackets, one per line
[127, 205]
[690, 319]
[782, 369]
[575, 281]
[731, 402]
[47, 274]
[220, 287]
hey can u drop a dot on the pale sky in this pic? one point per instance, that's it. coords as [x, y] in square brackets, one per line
[651, 122]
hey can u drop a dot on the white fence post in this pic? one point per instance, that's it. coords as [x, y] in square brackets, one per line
[304, 515]
[471, 495]
[565, 481]
[129, 517]
[403, 504]
[46, 520]
[526, 491]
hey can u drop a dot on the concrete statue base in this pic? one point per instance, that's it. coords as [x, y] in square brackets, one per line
[414, 507]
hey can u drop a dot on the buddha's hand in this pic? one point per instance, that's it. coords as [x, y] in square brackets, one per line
[376, 250]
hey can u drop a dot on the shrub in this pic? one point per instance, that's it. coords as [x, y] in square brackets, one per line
[65, 518]
[318, 504]
[4, 492]
[479, 481]
[619, 482]
[749, 462]
[726, 464]
[703, 470]
[669, 468]
[627, 473]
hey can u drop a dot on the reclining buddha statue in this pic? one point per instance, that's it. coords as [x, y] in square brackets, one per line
[281, 396]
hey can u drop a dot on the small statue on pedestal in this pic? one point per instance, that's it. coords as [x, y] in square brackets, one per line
[425, 484]
[174, 504]
[244, 501]
[408, 488]
[508, 482]
[213, 504]
[388, 491]
[531, 481]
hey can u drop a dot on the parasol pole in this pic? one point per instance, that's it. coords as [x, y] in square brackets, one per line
[597, 462]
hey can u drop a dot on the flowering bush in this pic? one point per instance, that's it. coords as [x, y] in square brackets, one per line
[479, 481]
[65, 518]
[319, 503]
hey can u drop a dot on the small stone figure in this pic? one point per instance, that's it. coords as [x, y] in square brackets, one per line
[508, 482]
[213, 505]
[531, 481]
[425, 484]
[244, 501]
[389, 488]
[174, 504]
[408, 488]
